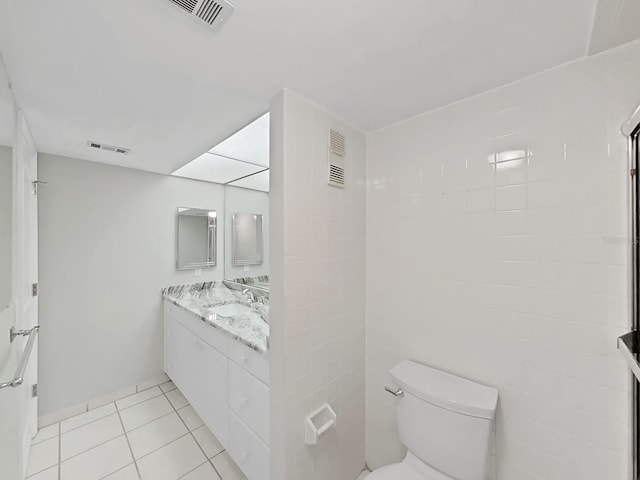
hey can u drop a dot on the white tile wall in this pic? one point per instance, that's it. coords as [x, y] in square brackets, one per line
[512, 274]
[317, 282]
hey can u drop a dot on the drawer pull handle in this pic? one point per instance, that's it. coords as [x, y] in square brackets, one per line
[244, 400]
[244, 359]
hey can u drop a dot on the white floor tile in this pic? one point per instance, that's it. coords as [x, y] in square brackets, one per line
[167, 387]
[49, 474]
[172, 461]
[207, 440]
[156, 434]
[227, 468]
[46, 433]
[43, 455]
[177, 399]
[98, 462]
[88, 436]
[145, 412]
[190, 417]
[87, 417]
[57, 417]
[138, 398]
[203, 472]
[111, 397]
[127, 473]
[153, 382]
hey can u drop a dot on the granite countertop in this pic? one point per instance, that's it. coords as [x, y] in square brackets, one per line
[250, 328]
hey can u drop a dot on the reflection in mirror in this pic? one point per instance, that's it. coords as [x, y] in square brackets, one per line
[197, 230]
[247, 239]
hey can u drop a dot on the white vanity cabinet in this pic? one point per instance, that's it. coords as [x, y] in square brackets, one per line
[225, 381]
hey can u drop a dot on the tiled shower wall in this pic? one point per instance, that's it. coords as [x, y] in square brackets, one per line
[510, 268]
[317, 336]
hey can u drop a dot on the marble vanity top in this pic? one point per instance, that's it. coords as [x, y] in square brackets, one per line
[249, 326]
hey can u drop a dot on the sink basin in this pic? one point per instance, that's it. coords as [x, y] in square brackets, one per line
[231, 309]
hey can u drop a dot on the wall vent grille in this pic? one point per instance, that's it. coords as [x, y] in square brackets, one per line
[108, 148]
[188, 5]
[212, 12]
[337, 154]
[209, 10]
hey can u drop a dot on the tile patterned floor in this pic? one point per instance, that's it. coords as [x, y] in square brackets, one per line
[152, 435]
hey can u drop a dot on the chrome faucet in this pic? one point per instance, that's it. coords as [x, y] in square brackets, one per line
[250, 295]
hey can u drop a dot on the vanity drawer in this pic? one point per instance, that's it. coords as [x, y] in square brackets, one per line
[249, 452]
[249, 399]
[254, 362]
[210, 334]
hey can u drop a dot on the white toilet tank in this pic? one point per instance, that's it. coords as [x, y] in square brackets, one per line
[445, 420]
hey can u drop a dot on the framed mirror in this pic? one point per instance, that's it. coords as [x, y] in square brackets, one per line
[196, 238]
[247, 239]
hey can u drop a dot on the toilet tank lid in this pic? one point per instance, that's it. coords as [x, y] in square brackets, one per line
[446, 390]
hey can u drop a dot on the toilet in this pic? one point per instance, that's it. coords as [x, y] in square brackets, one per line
[445, 422]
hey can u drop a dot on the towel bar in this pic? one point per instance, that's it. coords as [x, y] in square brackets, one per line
[24, 359]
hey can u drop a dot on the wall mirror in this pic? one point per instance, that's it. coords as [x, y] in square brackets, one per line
[236, 200]
[248, 248]
[196, 232]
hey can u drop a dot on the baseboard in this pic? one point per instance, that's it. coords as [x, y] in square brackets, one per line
[51, 418]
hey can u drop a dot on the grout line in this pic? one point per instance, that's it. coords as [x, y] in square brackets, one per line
[125, 434]
[89, 449]
[120, 469]
[59, 450]
[182, 476]
[194, 438]
[142, 401]
[162, 446]
[84, 424]
[145, 424]
[128, 443]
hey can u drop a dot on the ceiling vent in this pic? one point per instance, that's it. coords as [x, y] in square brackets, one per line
[108, 148]
[212, 12]
[337, 153]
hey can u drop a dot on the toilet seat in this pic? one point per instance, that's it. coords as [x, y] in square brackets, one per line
[411, 468]
[397, 471]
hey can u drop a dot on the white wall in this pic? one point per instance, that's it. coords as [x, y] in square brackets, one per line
[107, 247]
[245, 201]
[514, 276]
[5, 224]
[317, 293]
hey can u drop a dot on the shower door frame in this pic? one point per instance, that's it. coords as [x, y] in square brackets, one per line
[633, 133]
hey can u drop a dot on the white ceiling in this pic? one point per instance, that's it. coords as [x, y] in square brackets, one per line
[616, 22]
[144, 75]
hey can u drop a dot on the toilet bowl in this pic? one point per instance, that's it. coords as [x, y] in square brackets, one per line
[445, 422]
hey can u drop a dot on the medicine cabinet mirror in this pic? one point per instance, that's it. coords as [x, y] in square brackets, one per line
[247, 239]
[196, 232]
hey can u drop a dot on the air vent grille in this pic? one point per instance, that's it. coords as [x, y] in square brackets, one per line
[337, 153]
[108, 148]
[209, 10]
[336, 175]
[337, 143]
[212, 12]
[188, 5]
